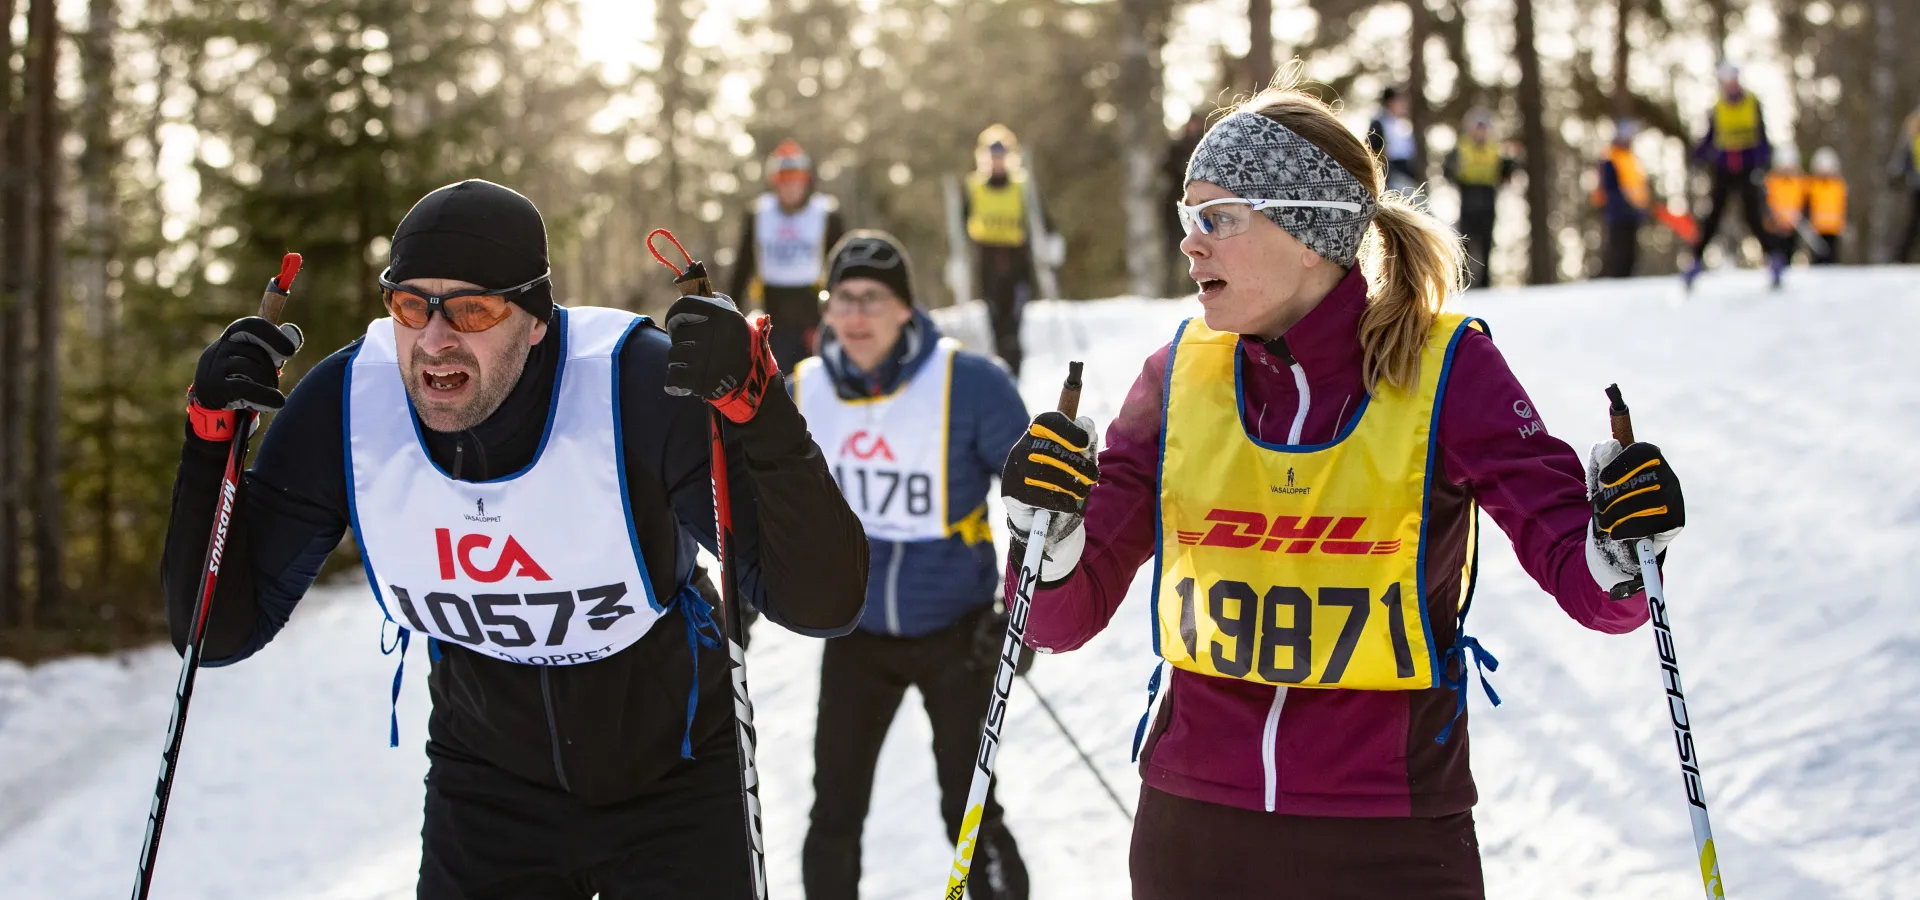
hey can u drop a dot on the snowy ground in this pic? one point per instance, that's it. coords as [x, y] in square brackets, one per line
[1794, 419]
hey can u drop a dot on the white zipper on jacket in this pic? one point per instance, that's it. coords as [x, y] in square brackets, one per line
[893, 587]
[1300, 415]
[1268, 737]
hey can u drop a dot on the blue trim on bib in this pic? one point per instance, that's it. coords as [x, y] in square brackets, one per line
[620, 464]
[702, 631]
[393, 707]
[553, 410]
[353, 504]
[1240, 412]
[1153, 690]
[1159, 487]
[1434, 661]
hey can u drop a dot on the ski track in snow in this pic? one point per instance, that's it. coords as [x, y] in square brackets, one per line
[1793, 417]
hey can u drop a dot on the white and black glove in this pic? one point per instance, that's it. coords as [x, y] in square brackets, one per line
[1635, 495]
[1053, 466]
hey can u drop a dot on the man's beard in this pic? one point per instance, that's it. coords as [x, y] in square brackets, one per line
[491, 384]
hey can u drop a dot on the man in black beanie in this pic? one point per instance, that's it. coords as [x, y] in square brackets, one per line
[528, 485]
[916, 429]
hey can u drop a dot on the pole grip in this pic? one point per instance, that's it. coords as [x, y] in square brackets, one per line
[1070, 391]
[1618, 416]
[273, 302]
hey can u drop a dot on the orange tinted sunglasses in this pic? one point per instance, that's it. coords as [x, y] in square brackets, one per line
[468, 310]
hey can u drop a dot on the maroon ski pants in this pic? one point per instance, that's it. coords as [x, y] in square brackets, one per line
[1184, 849]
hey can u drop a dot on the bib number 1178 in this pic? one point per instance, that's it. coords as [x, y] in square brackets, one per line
[1252, 622]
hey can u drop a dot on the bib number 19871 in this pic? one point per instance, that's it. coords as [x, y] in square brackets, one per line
[1252, 622]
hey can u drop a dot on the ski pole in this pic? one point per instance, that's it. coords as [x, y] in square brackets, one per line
[1010, 650]
[1084, 758]
[1670, 676]
[693, 280]
[272, 303]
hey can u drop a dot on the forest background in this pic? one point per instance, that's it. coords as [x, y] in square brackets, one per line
[158, 156]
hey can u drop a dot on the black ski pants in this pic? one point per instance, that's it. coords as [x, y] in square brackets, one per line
[862, 679]
[1477, 228]
[1832, 254]
[1621, 249]
[1753, 204]
[796, 317]
[1006, 283]
[1912, 232]
[491, 836]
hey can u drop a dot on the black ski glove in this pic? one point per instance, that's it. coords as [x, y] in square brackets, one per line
[719, 355]
[1054, 466]
[1635, 495]
[241, 370]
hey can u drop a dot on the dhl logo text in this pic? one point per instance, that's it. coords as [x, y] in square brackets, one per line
[1243, 530]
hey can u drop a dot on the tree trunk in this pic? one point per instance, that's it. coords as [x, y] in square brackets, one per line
[1419, 114]
[98, 165]
[1542, 265]
[1717, 22]
[1622, 57]
[43, 39]
[12, 231]
[1885, 128]
[1260, 43]
[1142, 141]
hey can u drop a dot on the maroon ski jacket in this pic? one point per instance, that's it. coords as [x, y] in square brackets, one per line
[1330, 752]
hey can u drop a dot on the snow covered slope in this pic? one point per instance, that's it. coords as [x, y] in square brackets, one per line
[1793, 417]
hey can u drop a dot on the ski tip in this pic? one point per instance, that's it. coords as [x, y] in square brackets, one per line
[289, 267]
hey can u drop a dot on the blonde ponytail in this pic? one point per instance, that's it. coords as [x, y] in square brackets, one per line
[1412, 264]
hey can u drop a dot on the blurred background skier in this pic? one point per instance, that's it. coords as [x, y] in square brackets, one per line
[783, 242]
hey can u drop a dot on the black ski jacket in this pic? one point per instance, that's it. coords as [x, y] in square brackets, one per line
[604, 731]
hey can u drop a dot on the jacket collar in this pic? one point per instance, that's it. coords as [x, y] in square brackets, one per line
[908, 356]
[1326, 340]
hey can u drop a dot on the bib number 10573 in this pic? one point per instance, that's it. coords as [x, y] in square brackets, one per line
[1272, 633]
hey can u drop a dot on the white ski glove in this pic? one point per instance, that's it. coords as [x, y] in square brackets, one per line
[1053, 467]
[957, 277]
[1052, 250]
[1634, 495]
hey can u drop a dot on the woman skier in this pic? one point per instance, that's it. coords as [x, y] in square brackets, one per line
[1305, 464]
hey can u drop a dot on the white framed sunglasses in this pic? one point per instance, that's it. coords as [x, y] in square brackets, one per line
[1223, 218]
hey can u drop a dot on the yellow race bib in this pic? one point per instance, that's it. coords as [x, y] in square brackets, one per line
[1736, 124]
[1478, 163]
[1297, 565]
[997, 216]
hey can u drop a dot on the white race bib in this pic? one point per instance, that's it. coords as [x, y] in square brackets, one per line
[889, 454]
[792, 246]
[539, 567]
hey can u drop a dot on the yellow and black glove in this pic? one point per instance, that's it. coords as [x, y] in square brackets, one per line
[1635, 495]
[1054, 466]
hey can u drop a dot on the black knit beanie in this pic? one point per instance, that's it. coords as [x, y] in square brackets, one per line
[478, 232]
[866, 253]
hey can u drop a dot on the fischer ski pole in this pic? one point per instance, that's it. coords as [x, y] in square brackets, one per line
[693, 279]
[272, 303]
[1622, 423]
[1010, 649]
[1084, 758]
